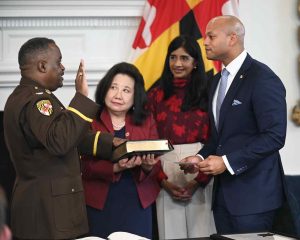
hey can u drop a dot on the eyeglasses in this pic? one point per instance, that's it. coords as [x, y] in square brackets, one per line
[183, 58]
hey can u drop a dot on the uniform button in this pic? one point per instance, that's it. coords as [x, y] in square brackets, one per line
[73, 190]
[220, 146]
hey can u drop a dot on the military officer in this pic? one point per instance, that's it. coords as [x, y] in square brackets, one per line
[43, 138]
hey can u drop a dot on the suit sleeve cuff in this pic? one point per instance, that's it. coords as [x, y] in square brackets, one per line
[229, 168]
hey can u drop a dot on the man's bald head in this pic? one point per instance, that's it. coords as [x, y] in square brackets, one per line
[224, 39]
[230, 24]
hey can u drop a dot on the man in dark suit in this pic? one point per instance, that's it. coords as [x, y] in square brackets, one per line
[246, 134]
[42, 137]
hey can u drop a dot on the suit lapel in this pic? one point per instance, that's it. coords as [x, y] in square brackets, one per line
[231, 93]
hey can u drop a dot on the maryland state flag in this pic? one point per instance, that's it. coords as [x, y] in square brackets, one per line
[163, 20]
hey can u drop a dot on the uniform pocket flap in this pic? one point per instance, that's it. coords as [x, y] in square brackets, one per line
[63, 186]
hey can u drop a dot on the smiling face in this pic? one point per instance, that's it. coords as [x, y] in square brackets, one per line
[54, 68]
[120, 96]
[181, 63]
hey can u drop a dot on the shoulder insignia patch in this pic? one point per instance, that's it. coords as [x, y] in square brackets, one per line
[45, 107]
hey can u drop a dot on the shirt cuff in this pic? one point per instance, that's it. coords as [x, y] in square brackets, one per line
[200, 156]
[229, 168]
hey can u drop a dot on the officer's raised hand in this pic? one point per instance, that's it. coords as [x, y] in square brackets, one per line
[81, 81]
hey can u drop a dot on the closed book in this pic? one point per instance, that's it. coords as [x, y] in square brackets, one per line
[141, 147]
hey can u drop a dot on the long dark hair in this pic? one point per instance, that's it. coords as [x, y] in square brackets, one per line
[196, 93]
[137, 112]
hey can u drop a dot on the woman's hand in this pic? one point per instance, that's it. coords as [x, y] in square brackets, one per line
[190, 164]
[191, 187]
[126, 163]
[148, 161]
[176, 192]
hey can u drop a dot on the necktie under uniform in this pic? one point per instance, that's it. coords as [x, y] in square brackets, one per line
[221, 93]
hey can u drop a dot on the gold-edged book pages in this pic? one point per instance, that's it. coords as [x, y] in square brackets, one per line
[141, 147]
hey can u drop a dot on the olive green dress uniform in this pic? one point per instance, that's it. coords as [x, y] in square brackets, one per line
[42, 138]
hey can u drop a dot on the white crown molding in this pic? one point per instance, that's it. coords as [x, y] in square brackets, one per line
[34, 16]
[68, 22]
[10, 74]
[71, 8]
[12, 79]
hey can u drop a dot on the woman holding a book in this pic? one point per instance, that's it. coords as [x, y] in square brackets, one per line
[179, 103]
[119, 195]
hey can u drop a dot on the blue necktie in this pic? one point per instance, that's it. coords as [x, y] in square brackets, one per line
[221, 93]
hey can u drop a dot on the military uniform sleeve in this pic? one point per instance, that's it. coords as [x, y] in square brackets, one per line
[97, 144]
[58, 129]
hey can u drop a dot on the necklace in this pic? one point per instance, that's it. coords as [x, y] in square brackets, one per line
[118, 126]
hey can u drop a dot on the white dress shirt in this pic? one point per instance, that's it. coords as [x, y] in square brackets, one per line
[233, 67]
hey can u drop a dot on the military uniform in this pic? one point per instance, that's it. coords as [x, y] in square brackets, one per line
[42, 137]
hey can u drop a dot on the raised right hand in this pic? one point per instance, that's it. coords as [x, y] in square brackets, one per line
[81, 85]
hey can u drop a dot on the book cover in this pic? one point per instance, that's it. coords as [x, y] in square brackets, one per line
[141, 147]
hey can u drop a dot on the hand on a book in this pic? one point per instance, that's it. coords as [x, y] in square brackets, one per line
[148, 161]
[176, 192]
[117, 141]
[126, 163]
[190, 168]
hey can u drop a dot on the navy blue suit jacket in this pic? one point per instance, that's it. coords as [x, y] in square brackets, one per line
[252, 129]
